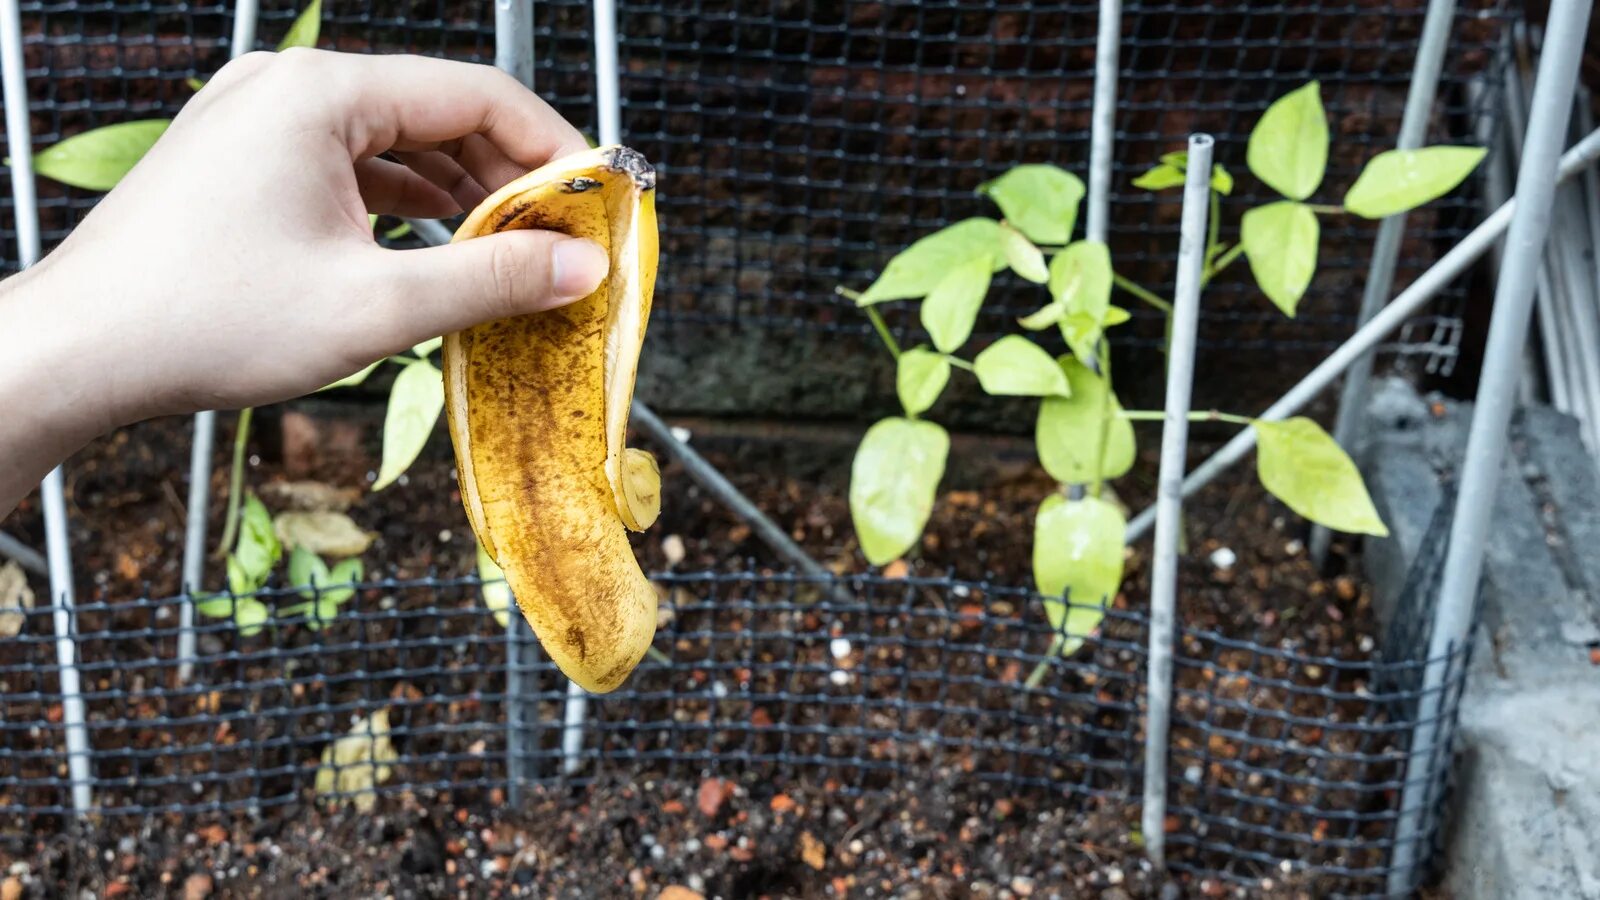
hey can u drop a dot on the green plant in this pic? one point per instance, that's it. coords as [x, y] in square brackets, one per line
[1083, 436]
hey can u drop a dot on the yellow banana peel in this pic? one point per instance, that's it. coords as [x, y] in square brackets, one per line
[538, 410]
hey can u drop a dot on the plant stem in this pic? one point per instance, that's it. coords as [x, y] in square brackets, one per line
[1156, 415]
[1039, 671]
[230, 522]
[883, 332]
[1214, 228]
[1143, 293]
[960, 363]
[1223, 261]
[1325, 208]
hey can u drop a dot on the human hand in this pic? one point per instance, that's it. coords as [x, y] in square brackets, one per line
[235, 264]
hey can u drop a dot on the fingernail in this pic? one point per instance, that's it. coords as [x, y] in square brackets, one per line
[577, 267]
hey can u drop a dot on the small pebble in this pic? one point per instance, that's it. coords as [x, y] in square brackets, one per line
[681, 434]
[1294, 547]
[1224, 558]
[672, 548]
[1191, 775]
[839, 677]
[718, 689]
[1022, 886]
[856, 847]
[1366, 643]
[839, 647]
[1114, 876]
[658, 852]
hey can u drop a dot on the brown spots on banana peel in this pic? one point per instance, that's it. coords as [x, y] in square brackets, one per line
[536, 408]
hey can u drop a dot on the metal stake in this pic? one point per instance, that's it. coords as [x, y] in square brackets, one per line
[205, 432]
[1386, 250]
[58, 549]
[1486, 440]
[1437, 278]
[1169, 493]
[1102, 119]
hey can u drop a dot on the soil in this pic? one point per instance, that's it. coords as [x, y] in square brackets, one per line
[982, 830]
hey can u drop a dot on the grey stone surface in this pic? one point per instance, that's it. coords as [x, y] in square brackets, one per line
[1526, 817]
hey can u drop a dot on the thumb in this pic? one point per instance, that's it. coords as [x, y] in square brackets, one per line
[438, 290]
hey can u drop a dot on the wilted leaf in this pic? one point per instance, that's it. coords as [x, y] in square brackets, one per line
[496, 592]
[308, 496]
[1400, 180]
[1017, 367]
[1077, 554]
[1069, 429]
[15, 599]
[415, 402]
[304, 31]
[1303, 466]
[1023, 257]
[1280, 240]
[1289, 147]
[920, 376]
[892, 484]
[950, 310]
[324, 533]
[96, 160]
[915, 271]
[358, 762]
[1040, 200]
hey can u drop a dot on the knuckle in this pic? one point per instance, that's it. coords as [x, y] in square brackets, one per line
[510, 277]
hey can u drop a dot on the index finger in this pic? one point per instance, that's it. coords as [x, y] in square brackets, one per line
[417, 103]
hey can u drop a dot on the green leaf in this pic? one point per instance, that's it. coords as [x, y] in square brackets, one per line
[307, 570]
[1077, 555]
[427, 347]
[950, 310]
[1017, 367]
[1040, 200]
[250, 615]
[1289, 147]
[915, 271]
[239, 581]
[1082, 332]
[398, 232]
[347, 572]
[893, 480]
[303, 33]
[194, 84]
[1160, 178]
[257, 549]
[353, 379]
[1115, 315]
[920, 377]
[1023, 257]
[414, 406]
[1069, 430]
[1221, 180]
[219, 606]
[96, 160]
[1080, 277]
[372, 220]
[496, 592]
[1049, 315]
[1280, 239]
[1304, 467]
[1400, 180]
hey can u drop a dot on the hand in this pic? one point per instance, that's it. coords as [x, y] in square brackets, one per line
[235, 266]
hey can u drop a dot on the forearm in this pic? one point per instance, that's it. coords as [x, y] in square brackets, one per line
[49, 404]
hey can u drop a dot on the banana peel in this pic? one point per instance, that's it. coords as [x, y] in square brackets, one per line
[538, 412]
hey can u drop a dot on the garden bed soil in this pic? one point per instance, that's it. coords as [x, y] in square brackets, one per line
[1245, 575]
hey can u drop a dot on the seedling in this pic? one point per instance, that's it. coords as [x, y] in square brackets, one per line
[1083, 436]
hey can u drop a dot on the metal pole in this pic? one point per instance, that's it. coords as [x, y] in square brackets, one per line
[1386, 249]
[26, 556]
[1169, 494]
[245, 13]
[58, 549]
[1437, 278]
[1102, 120]
[513, 39]
[1486, 439]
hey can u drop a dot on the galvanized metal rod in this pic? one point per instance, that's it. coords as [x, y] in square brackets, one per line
[26, 557]
[513, 39]
[1169, 493]
[1386, 249]
[1486, 439]
[1103, 119]
[58, 549]
[1437, 278]
[205, 433]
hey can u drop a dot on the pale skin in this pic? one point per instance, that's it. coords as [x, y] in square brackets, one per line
[235, 266]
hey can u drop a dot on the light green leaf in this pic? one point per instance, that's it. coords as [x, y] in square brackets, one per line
[1017, 367]
[1069, 429]
[347, 572]
[1160, 178]
[1280, 239]
[194, 84]
[307, 571]
[915, 271]
[1077, 555]
[304, 31]
[1221, 180]
[250, 615]
[239, 581]
[427, 347]
[1082, 332]
[96, 160]
[372, 220]
[893, 480]
[1289, 146]
[353, 379]
[1023, 257]
[496, 592]
[257, 549]
[398, 232]
[1040, 200]
[950, 311]
[1400, 180]
[920, 377]
[1080, 277]
[1048, 315]
[414, 406]
[1304, 467]
[220, 606]
[1115, 315]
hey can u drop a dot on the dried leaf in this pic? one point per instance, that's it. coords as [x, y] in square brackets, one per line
[15, 599]
[324, 533]
[356, 763]
[812, 851]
